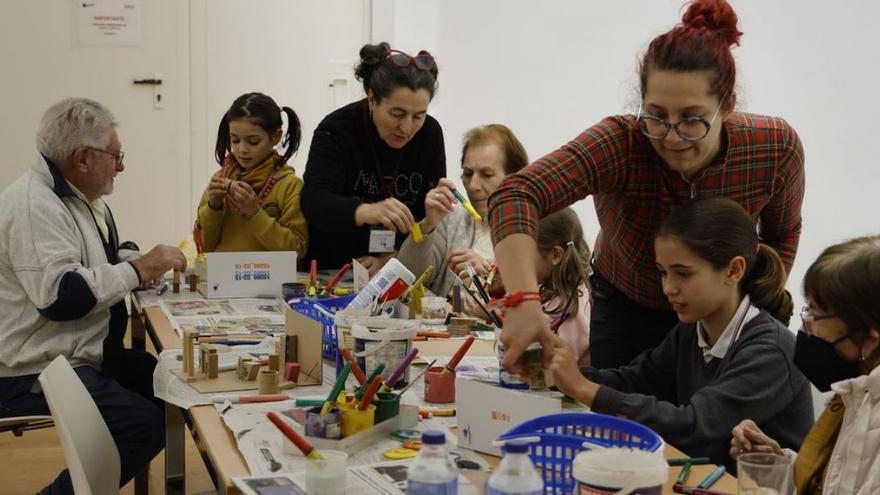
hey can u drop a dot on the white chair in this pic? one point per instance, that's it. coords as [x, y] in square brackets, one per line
[92, 458]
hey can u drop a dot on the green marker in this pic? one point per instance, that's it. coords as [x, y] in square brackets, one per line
[683, 476]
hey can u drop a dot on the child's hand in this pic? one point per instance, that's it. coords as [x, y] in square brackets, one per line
[747, 437]
[217, 190]
[458, 258]
[245, 197]
[567, 376]
[438, 203]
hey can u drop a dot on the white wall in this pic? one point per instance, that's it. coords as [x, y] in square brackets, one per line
[551, 69]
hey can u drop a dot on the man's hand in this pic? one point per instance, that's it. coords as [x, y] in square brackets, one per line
[159, 260]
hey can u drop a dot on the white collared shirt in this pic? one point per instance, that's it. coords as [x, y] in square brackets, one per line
[744, 313]
[97, 208]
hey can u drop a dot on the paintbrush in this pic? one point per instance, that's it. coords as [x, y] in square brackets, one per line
[376, 372]
[328, 289]
[398, 372]
[337, 387]
[300, 442]
[358, 372]
[371, 391]
[414, 380]
[456, 358]
[466, 203]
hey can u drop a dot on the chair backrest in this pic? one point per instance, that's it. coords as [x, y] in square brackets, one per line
[91, 454]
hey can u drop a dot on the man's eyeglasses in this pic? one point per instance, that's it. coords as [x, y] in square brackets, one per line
[423, 62]
[808, 317]
[690, 129]
[118, 156]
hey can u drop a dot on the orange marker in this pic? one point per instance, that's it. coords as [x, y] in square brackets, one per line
[450, 366]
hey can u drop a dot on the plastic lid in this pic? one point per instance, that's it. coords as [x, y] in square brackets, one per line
[516, 447]
[433, 438]
[614, 467]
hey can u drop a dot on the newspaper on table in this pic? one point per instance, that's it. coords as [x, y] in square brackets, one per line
[226, 316]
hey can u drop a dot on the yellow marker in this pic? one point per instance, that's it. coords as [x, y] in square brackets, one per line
[417, 232]
[467, 205]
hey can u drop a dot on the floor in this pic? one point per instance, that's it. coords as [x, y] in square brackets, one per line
[30, 462]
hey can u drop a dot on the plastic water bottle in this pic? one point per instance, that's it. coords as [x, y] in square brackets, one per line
[516, 475]
[433, 472]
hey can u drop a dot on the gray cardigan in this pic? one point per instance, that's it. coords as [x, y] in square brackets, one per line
[56, 284]
[694, 405]
[455, 231]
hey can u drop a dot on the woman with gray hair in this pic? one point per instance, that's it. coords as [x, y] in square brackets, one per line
[64, 276]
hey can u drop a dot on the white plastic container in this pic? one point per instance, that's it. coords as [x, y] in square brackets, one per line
[387, 276]
[327, 476]
[619, 471]
[384, 340]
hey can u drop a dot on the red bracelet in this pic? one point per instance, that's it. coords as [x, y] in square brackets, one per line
[513, 300]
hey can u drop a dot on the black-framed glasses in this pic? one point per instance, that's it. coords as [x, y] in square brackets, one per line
[423, 61]
[809, 317]
[689, 129]
[119, 157]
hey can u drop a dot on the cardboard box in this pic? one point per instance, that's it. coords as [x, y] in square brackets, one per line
[484, 412]
[305, 338]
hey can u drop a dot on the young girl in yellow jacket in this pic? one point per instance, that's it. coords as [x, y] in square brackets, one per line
[252, 202]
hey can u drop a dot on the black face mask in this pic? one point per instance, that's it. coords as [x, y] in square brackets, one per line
[820, 363]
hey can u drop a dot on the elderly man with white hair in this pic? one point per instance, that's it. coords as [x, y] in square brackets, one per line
[63, 278]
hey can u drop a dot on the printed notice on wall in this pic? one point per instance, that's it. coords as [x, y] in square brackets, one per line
[109, 22]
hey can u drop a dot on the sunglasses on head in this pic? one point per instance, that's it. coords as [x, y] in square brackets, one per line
[423, 62]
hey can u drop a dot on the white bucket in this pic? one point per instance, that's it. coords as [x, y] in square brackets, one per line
[383, 341]
[343, 320]
[619, 471]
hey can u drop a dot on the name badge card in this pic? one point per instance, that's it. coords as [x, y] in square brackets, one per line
[249, 274]
[382, 241]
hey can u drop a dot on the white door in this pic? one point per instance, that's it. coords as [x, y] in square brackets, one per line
[300, 52]
[42, 61]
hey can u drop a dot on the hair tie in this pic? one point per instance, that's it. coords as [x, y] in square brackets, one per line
[569, 243]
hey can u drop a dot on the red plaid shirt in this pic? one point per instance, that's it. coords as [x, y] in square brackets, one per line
[760, 166]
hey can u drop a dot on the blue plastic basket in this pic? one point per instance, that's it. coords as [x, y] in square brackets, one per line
[556, 439]
[322, 311]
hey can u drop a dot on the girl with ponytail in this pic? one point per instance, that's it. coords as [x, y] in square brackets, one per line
[685, 141]
[253, 202]
[729, 358]
[563, 269]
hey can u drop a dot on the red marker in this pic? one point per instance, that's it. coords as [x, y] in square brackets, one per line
[450, 366]
[300, 442]
[368, 397]
[358, 372]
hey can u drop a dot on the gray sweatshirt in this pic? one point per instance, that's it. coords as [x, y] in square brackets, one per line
[455, 231]
[56, 283]
[694, 405]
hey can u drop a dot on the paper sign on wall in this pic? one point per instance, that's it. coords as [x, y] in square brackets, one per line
[249, 274]
[109, 22]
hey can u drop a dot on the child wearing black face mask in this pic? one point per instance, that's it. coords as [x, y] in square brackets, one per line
[837, 349]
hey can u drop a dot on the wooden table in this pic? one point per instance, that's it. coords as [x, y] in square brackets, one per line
[227, 462]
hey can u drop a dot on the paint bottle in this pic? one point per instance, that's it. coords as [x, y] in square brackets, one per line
[516, 475]
[432, 473]
[392, 273]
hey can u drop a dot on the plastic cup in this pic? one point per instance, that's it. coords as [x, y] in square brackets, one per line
[354, 421]
[292, 290]
[439, 385]
[327, 476]
[765, 474]
[433, 308]
[324, 425]
[387, 406]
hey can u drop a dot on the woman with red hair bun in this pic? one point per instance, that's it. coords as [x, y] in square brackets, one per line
[686, 141]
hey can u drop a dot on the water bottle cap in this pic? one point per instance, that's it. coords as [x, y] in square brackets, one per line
[516, 447]
[433, 438]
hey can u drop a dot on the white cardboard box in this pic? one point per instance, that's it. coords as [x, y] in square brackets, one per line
[485, 412]
[249, 274]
